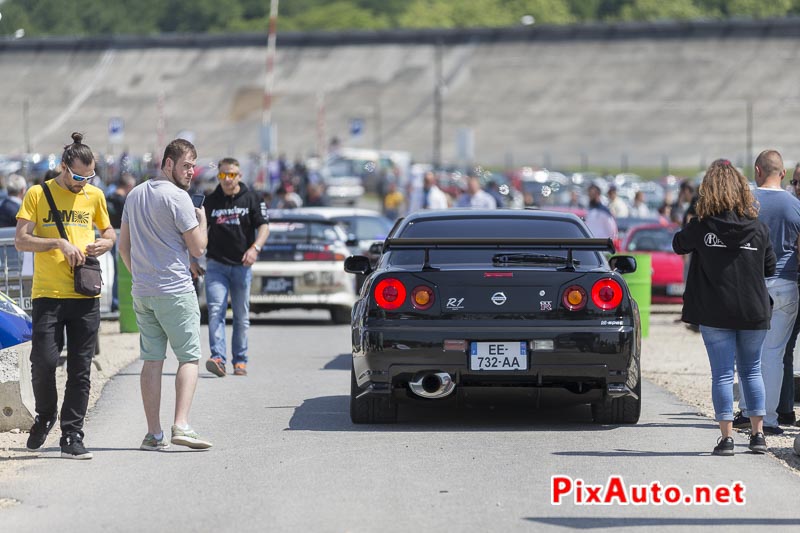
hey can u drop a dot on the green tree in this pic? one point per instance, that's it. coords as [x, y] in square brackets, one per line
[199, 15]
[544, 11]
[584, 10]
[15, 17]
[758, 9]
[659, 10]
[340, 15]
[427, 14]
[53, 17]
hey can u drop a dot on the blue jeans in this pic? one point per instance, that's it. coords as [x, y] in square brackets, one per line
[222, 281]
[786, 400]
[744, 346]
[784, 312]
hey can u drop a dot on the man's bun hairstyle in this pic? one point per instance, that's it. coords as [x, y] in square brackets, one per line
[77, 150]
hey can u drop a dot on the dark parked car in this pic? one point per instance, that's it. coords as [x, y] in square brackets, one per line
[524, 299]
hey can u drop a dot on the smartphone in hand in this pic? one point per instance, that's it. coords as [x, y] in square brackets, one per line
[197, 200]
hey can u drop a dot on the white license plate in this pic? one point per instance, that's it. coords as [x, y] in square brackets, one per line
[675, 289]
[498, 356]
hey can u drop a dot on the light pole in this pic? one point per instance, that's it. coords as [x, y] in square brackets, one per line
[437, 105]
[267, 141]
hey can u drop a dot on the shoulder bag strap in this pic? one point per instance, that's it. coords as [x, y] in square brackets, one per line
[56, 213]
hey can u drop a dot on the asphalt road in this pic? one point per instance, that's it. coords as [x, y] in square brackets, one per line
[287, 458]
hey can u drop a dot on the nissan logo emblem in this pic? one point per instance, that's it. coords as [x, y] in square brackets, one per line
[498, 298]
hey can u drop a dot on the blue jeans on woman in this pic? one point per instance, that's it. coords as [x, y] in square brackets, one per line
[222, 281]
[724, 347]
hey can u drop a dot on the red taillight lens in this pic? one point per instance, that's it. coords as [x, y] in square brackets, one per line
[317, 256]
[574, 298]
[390, 293]
[607, 294]
[422, 297]
[326, 254]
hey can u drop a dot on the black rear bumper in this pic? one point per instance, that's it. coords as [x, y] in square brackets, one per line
[589, 365]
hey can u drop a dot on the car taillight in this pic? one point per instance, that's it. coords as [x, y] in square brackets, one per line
[574, 298]
[422, 297]
[390, 293]
[323, 255]
[606, 294]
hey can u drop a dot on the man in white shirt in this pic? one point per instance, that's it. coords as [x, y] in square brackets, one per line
[599, 219]
[475, 197]
[429, 196]
[616, 205]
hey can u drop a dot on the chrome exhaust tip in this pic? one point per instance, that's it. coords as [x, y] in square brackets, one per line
[433, 385]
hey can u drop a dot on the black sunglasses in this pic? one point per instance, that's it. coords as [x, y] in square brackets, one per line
[793, 183]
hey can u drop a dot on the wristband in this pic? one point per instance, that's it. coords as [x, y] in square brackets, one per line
[257, 247]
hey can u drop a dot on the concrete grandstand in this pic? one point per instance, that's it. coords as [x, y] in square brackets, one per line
[555, 96]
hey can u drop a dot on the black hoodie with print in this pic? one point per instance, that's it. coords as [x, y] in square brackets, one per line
[731, 257]
[232, 223]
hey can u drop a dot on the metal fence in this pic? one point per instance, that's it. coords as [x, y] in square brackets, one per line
[16, 273]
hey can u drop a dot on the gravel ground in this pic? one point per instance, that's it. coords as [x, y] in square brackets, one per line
[673, 357]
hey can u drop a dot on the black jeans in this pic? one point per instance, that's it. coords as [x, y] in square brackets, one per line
[81, 316]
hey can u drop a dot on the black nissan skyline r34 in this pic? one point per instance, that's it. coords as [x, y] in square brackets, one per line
[490, 299]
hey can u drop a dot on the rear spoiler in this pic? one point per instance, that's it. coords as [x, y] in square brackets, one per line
[597, 245]
[452, 243]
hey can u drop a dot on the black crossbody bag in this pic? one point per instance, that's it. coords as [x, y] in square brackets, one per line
[88, 276]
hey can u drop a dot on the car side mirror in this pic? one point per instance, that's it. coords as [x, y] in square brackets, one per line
[624, 264]
[357, 264]
[376, 248]
[351, 241]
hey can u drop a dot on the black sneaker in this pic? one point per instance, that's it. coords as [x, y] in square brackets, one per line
[758, 443]
[39, 431]
[740, 421]
[773, 430]
[724, 446]
[786, 419]
[72, 448]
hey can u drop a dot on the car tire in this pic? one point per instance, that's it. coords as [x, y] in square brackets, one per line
[625, 410]
[340, 315]
[369, 410]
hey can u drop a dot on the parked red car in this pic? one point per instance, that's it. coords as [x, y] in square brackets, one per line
[667, 266]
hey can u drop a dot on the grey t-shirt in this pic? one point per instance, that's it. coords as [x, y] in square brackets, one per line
[158, 213]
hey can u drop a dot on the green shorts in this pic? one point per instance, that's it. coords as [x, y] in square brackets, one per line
[174, 318]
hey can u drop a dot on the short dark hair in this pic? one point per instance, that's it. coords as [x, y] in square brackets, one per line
[175, 149]
[228, 161]
[77, 150]
[770, 162]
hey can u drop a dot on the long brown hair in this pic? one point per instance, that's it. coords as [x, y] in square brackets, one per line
[725, 189]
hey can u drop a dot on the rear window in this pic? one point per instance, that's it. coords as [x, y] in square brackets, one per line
[489, 228]
[366, 228]
[651, 240]
[305, 232]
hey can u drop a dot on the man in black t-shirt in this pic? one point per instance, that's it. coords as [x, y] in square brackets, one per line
[237, 229]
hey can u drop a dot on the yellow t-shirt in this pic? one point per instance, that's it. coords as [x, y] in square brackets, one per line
[52, 275]
[393, 200]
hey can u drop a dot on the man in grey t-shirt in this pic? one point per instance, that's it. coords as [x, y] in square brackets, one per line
[160, 228]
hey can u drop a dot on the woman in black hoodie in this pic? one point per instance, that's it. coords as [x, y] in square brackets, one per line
[726, 294]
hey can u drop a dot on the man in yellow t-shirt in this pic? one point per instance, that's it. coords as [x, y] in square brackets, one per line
[56, 305]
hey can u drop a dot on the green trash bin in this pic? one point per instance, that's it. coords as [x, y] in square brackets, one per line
[640, 285]
[127, 317]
